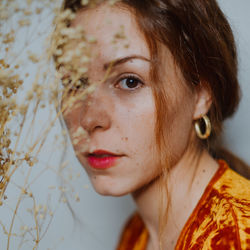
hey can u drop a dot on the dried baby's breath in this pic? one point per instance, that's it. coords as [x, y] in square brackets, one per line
[69, 48]
[84, 2]
[112, 2]
[24, 22]
[19, 105]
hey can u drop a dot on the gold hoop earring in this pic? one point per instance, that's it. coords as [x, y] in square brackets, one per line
[208, 128]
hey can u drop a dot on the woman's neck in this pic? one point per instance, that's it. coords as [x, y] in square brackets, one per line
[186, 184]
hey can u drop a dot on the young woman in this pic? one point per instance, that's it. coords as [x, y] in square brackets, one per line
[144, 106]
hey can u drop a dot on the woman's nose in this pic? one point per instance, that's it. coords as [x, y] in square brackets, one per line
[95, 113]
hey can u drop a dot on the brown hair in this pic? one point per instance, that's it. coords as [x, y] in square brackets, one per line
[201, 42]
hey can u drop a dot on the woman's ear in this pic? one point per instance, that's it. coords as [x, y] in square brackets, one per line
[203, 101]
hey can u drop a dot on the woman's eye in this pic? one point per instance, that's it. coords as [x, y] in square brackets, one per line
[129, 83]
[73, 87]
[82, 83]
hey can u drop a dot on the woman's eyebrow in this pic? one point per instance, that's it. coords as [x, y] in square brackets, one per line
[122, 60]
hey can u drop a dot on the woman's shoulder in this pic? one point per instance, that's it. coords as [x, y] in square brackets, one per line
[231, 185]
[221, 219]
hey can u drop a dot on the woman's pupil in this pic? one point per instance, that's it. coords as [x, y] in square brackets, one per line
[131, 83]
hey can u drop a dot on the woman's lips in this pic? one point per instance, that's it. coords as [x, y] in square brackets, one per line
[101, 159]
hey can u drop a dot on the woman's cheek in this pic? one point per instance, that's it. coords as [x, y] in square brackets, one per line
[78, 136]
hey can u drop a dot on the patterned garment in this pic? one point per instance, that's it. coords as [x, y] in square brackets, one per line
[220, 221]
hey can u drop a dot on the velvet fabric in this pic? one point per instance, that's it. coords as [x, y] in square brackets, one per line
[220, 221]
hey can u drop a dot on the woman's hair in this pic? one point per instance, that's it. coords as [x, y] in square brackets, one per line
[202, 44]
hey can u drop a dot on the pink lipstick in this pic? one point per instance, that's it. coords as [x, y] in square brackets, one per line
[101, 159]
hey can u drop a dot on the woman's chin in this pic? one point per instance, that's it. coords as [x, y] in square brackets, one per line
[110, 192]
[109, 189]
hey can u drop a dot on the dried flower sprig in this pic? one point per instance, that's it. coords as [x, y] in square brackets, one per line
[19, 105]
[20, 146]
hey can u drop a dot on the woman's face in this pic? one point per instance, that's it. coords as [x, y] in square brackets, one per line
[119, 150]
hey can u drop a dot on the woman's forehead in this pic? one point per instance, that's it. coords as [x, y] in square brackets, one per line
[114, 31]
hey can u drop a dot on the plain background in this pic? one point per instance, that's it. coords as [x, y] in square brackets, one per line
[98, 220]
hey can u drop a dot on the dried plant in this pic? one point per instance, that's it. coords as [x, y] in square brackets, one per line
[28, 85]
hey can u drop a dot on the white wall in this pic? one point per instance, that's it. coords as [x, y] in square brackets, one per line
[237, 134]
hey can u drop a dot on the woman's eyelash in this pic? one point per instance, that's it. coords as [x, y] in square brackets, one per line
[127, 82]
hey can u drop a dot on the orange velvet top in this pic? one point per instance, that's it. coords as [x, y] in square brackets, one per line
[220, 221]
